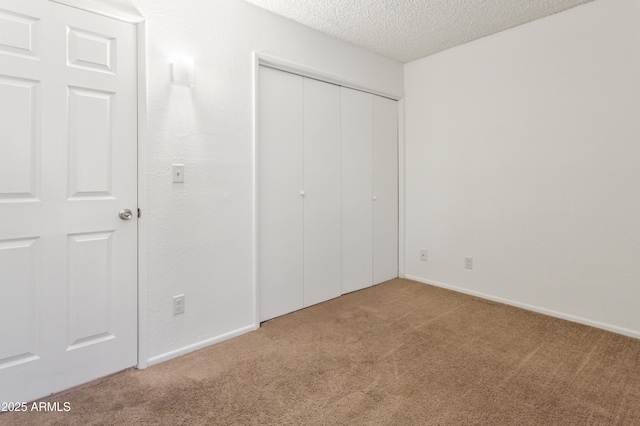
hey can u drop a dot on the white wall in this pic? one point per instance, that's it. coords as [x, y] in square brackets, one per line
[523, 151]
[201, 232]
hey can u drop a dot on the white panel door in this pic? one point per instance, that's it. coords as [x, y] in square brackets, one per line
[68, 165]
[357, 189]
[280, 200]
[322, 217]
[385, 189]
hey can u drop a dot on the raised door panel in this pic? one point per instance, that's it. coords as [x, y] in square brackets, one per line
[91, 143]
[90, 283]
[322, 215]
[357, 183]
[280, 158]
[18, 308]
[385, 189]
[19, 31]
[92, 51]
[20, 139]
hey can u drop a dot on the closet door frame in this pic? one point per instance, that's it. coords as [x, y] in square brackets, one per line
[266, 60]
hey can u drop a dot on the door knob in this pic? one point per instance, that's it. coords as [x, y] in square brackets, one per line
[375, 198]
[125, 214]
[302, 193]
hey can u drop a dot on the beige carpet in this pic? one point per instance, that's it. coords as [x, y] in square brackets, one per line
[400, 353]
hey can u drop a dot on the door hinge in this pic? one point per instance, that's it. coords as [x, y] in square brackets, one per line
[139, 213]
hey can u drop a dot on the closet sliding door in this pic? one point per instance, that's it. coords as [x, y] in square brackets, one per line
[385, 189]
[369, 189]
[322, 275]
[357, 190]
[281, 226]
[299, 192]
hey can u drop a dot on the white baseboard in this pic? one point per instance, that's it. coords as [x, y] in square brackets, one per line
[200, 345]
[561, 315]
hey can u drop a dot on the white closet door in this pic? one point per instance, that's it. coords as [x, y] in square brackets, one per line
[280, 183]
[357, 196]
[385, 189]
[322, 218]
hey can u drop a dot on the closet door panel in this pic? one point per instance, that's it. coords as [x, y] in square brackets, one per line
[280, 151]
[322, 233]
[357, 197]
[385, 189]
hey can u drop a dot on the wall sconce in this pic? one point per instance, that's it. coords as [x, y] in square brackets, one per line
[183, 71]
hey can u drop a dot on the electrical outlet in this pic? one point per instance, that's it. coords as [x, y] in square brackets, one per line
[423, 255]
[178, 304]
[468, 262]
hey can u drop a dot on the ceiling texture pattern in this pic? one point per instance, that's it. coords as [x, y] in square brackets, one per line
[406, 30]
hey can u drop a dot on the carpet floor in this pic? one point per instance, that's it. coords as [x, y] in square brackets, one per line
[400, 353]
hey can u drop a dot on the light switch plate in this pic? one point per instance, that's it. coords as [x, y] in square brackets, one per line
[178, 173]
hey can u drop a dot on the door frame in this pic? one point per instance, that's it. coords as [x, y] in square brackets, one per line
[270, 61]
[101, 7]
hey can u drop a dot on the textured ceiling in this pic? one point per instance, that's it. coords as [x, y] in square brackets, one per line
[406, 30]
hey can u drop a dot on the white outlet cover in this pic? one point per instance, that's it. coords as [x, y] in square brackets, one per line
[468, 262]
[423, 255]
[178, 304]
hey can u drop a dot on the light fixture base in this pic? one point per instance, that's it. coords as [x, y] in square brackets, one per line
[183, 71]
